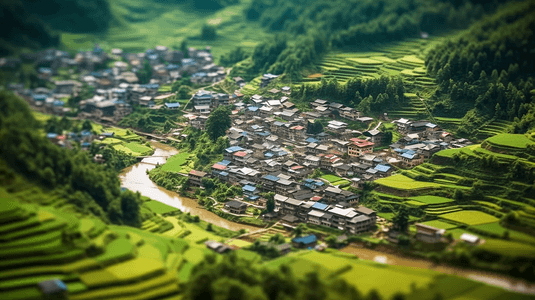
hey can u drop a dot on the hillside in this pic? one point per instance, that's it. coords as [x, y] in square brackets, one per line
[486, 72]
[484, 189]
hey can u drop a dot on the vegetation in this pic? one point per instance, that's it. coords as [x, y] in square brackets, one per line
[480, 73]
[218, 122]
[150, 120]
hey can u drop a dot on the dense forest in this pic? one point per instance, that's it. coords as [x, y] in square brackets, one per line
[488, 70]
[25, 152]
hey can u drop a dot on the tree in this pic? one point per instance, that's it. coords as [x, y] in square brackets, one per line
[209, 227]
[208, 32]
[331, 241]
[218, 122]
[300, 229]
[145, 74]
[270, 203]
[130, 208]
[401, 219]
[184, 48]
[184, 92]
[87, 125]
[387, 138]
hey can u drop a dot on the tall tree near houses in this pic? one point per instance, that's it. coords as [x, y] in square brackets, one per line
[218, 122]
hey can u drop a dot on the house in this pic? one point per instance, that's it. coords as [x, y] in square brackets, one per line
[428, 234]
[358, 147]
[470, 238]
[53, 289]
[175, 105]
[195, 177]
[383, 170]
[236, 207]
[267, 79]
[305, 242]
[376, 136]
[284, 248]
[250, 191]
[217, 247]
[290, 220]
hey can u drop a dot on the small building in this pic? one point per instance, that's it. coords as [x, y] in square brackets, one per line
[290, 220]
[284, 248]
[428, 234]
[53, 289]
[305, 242]
[195, 177]
[175, 105]
[236, 207]
[217, 247]
[470, 238]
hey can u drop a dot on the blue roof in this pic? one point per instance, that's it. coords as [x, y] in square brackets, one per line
[224, 162]
[265, 133]
[320, 206]
[271, 177]
[108, 133]
[252, 108]
[172, 105]
[188, 61]
[45, 70]
[153, 86]
[253, 197]
[312, 140]
[153, 57]
[309, 180]
[319, 183]
[249, 188]
[223, 173]
[407, 155]
[233, 149]
[59, 103]
[199, 74]
[309, 239]
[171, 67]
[86, 144]
[39, 97]
[51, 135]
[268, 154]
[382, 168]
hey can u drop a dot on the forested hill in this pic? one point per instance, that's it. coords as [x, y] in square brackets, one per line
[488, 70]
[28, 159]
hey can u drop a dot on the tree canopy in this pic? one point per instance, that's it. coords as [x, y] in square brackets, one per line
[218, 122]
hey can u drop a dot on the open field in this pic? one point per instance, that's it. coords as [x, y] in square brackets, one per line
[159, 207]
[136, 28]
[440, 224]
[126, 141]
[428, 199]
[176, 162]
[331, 178]
[468, 217]
[518, 141]
[402, 182]
[387, 279]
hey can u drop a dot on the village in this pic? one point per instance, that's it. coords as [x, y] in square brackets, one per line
[271, 147]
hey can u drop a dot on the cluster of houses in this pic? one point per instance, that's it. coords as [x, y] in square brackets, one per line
[114, 78]
[271, 151]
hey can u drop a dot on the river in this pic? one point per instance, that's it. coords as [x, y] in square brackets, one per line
[135, 178]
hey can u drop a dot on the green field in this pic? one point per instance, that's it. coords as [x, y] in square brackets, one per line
[402, 182]
[470, 217]
[440, 224]
[518, 141]
[509, 248]
[428, 199]
[331, 178]
[159, 207]
[176, 162]
[167, 23]
[496, 228]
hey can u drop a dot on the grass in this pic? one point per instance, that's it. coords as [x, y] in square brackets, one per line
[439, 224]
[136, 28]
[176, 162]
[470, 217]
[518, 141]
[428, 199]
[402, 182]
[159, 207]
[496, 228]
[508, 248]
[331, 178]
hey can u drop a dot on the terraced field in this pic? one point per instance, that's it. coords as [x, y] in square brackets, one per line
[493, 128]
[126, 141]
[94, 260]
[471, 196]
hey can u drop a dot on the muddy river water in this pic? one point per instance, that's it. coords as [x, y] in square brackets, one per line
[135, 178]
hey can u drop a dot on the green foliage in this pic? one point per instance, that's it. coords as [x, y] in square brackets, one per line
[151, 120]
[401, 219]
[372, 95]
[145, 73]
[481, 69]
[232, 57]
[208, 32]
[314, 128]
[218, 122]
[31, 155]
[234, 278]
